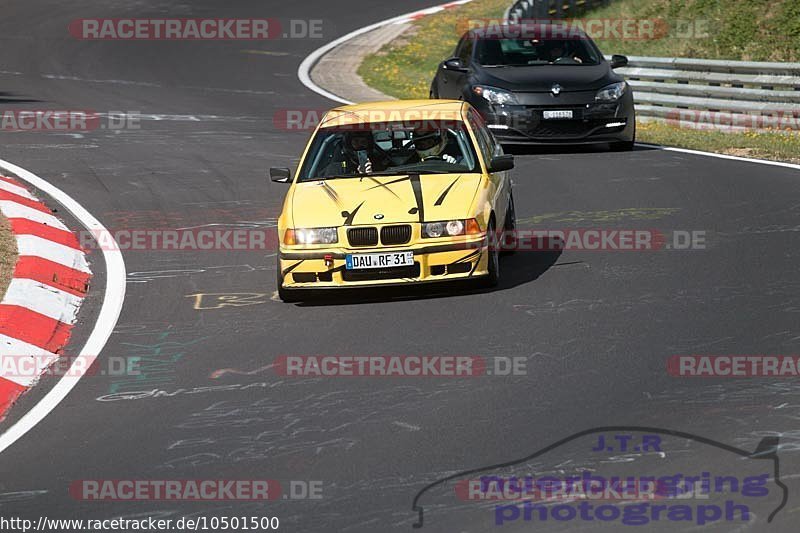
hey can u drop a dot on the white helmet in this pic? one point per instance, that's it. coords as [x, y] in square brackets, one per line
[429, 143]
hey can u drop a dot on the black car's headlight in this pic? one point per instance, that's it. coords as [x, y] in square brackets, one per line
[311, 236]
[611, 93]
[450, 228]
[493, 95]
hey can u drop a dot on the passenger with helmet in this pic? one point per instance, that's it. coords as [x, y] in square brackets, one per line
[359, 155]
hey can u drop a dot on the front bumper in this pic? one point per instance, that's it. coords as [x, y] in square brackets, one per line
[433, 262]
[591, 123]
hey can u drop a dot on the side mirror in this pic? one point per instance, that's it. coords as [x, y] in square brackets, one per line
[280, 175]
[618, 61]
[501, 163]
[455, 64]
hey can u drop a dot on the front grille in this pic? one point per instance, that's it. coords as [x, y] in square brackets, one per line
[395, 234]
[363, 236]
[381, 274]
[563, 128]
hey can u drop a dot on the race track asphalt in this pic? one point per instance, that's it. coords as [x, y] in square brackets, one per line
[595, 328]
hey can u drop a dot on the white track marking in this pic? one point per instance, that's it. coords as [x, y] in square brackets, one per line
[17, 349]
[304, 71]
[14, 210]
[113, 298]
[723, 156]
[43, 299]
[32, 245]
[16, 189]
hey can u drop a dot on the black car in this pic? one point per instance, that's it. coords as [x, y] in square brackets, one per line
[535, 89]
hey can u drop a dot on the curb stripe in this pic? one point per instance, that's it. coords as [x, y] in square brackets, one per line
[31, 245]
[15, 210]
[23, 226]
[33, 204]
[9, 392]
[43, 299]
[33, 328]
[15, 348]
[13, 188]
[12, 181]
[50, 273]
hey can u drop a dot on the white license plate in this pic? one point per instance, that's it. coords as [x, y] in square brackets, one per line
[558, 114]
[364, 261]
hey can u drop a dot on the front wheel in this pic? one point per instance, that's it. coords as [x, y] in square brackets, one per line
[493, 249]
[286, 295]
[510, 228]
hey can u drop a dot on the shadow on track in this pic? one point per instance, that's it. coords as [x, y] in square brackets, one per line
[516, 270]
[566, 149]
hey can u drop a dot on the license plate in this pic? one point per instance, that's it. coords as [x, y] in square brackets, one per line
[549, 115]
[365, 261]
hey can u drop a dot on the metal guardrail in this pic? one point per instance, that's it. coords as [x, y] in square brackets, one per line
[699, 93]
[547, 9]
[728, 95]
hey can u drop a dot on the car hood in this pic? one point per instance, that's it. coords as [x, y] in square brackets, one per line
[358, 201]
[542, 77]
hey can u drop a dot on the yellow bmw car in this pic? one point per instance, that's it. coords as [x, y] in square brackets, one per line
[396, 192]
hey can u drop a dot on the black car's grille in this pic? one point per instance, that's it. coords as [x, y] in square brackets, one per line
[391, 235]
[564, 128]
[363, 236]
[381, 274]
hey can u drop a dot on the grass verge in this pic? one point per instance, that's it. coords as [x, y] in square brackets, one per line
[405, 67]
[8, 254]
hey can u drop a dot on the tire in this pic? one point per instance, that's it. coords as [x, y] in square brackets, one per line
[623, 146]
[510, 227]
[286, 295]
[432, 94]
[493, 277]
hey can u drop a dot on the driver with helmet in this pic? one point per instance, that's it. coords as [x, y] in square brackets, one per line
[431, 144]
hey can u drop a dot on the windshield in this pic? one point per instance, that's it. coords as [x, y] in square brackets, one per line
[389, 149]
[528, 52]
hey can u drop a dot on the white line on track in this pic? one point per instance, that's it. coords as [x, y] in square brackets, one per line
[113, 298]
[304, 71]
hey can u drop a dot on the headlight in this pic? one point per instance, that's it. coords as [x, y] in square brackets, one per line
[495, 96]
[611, 93]
[450, 228]
[311, 236]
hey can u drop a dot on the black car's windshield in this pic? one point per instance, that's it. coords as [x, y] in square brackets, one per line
[529, 52]
[389, 149]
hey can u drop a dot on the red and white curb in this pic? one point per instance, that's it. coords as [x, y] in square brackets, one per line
[49, 282]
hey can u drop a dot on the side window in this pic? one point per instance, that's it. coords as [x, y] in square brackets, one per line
[484, 141]
[494, 147]
[465, 50]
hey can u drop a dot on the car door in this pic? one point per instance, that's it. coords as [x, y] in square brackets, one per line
[452, 80]
[499, 182]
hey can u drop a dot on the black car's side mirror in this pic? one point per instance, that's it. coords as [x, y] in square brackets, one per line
[455, 64]
[280, 175]
[618, 61]
[501, 163]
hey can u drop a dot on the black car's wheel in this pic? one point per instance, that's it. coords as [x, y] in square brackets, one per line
[433, 94]
[510, 228]
[493, 250]
[286, 295]
[622, 146]
[625, 146]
